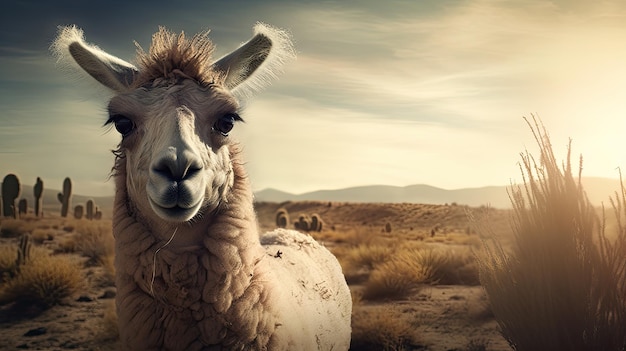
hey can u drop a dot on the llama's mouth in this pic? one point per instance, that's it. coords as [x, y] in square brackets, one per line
[175, 202]
[175, 213]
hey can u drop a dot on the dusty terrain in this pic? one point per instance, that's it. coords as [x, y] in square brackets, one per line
[438, 317]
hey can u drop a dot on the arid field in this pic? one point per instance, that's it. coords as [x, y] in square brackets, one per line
[411, 269]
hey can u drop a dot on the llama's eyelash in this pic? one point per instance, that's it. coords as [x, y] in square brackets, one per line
[124, 125]
[225, 123]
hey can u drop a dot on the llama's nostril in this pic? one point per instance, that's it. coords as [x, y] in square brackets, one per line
[167, 167]
[176, 168]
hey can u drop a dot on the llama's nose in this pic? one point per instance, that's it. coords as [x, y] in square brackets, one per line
[177, 164]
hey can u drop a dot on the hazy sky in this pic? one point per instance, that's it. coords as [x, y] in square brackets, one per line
[382, 92]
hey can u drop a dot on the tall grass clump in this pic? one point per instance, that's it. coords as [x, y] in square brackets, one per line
[382, 329]
[399, 277]
[561, 286]
[8, 262]
[44, 280]
[94, 239]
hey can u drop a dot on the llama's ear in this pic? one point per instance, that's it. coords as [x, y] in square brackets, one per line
[257, 61]
[112, 72]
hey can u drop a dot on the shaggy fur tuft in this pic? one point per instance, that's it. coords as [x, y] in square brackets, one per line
[171, 53]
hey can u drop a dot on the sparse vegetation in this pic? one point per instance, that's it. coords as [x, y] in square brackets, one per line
[44, 280]
[13, 228]
[397, 278]
[95, 241]
[562, 286]
[361, 248]
[382, 329]
[8, 262]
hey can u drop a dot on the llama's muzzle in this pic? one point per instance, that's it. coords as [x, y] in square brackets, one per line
[175, 184]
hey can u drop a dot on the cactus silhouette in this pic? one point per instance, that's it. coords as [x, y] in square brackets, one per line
[303, 223]
[97, 213]
[78, 212]
[22, 206]
[38, 192]
[89, 209]
[316, 223]
[65, 196]
[23, 250]
[10, 192]
[282, 218]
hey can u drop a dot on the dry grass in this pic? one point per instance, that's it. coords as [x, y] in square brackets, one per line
[450, 266]
[8, 258]
[109, 329]
[380, 329]
[397, 278]
[562, 286]
[39, 235]
[94, 239]
[398, 269]
[367, 256]
[13, 228]
[44, 280]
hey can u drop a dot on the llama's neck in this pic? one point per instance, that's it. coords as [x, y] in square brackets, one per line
[210, 274]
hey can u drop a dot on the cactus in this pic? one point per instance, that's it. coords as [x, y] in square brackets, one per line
[22, 206]
[89, 209]
[78, 212]
[23, 250]
[38, 192]
[65, 196]
[282, 218]
[316, 223]
[303, 223]
[10, 192]
[97, 214]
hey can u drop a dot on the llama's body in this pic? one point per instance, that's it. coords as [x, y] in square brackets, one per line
[192, 271]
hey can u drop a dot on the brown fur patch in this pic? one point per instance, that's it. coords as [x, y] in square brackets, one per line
[173, 55]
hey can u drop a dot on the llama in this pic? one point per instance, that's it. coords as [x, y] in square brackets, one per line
[192, 271]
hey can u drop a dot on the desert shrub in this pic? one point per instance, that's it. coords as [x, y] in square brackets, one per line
[449, 267]
[562, 286]
[39, 235]
[357, 298]
[368, 256]
[108, 328]
[8, 258]
[44, 280]
[358, 262]
[387, 227]
[12, 228]
[94, 239]
[107, 277]
[380, 329]
[398, 277]
[67, 245]
[352, 236]
[477, 344]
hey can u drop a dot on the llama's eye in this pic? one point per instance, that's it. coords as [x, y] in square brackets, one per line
[123, 124]
[225, 123]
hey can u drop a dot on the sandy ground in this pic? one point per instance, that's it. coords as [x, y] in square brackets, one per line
[443, 317]
[446, 318]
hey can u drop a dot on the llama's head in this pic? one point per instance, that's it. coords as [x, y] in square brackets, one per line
[174, 111]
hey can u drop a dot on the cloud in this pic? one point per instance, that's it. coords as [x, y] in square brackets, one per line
[390, 92]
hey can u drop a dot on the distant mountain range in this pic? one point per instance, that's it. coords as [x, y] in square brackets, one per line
[598, 190]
